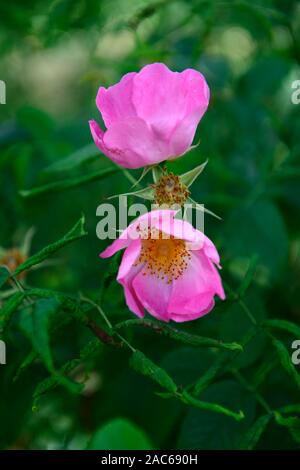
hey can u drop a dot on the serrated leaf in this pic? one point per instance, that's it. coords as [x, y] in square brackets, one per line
[195, 340]
[9, 308]
[189, 177]
[35, 322]
[74, 160]
[55, 380]
[180, 335]
[68, 302]
[285, 360]
[252, 436]
[210, 430]
[4, 275]
[145, 193]
[140, 363]
[283, 325]
[69, 183]
[75, 233]
[215, 407]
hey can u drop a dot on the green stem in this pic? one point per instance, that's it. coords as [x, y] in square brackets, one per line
[260, 399]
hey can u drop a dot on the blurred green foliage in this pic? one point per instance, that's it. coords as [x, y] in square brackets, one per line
[61, 386]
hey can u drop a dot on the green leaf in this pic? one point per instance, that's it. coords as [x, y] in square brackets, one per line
[258, 229]
[35, 322]
[285, 360]
[75, 233]
[283, 325]
[235, 324]
[252, 436]
[145, 193]
[91, 348]
[119, 434]
[25, 363]
[83, 155]
[292, 423]
[248, 276]
[53, 381]
[9, 308]
[294, 408]
[211, 430]
[209, 375]
[109, 275]
[141, 364]
[263, 371]
[69, 183]
[4, 275]
[222, 361]
[179, 335]
[183, 365]
[189, 177]
[215, 407]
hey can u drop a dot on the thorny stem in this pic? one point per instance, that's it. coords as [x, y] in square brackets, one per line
[97, 307]
[21, 288]
[103, 336]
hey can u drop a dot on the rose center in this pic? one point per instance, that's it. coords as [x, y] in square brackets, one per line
[164, 258]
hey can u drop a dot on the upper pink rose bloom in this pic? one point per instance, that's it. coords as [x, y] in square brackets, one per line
[150, 116]
[168, 268]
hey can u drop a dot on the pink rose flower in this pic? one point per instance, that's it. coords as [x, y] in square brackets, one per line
[168, 268]
[151, 116]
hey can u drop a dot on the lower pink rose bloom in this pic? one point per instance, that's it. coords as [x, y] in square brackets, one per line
[168, 268]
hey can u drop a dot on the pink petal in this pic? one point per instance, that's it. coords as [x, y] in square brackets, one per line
[164, 99]
[137, 145]
[192, 316]
[154, 219]
[181, 229]
[117, 245]
[184, 133]
[197, 101]
[129, 258]
[127, 272]
[154, 294]
[115, 103]
[193, 292]
[211, 251]
[98, 135]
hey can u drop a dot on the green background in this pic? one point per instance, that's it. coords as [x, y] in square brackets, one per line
[53, 57]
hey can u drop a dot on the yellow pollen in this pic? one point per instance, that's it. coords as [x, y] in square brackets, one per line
[165, 258]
